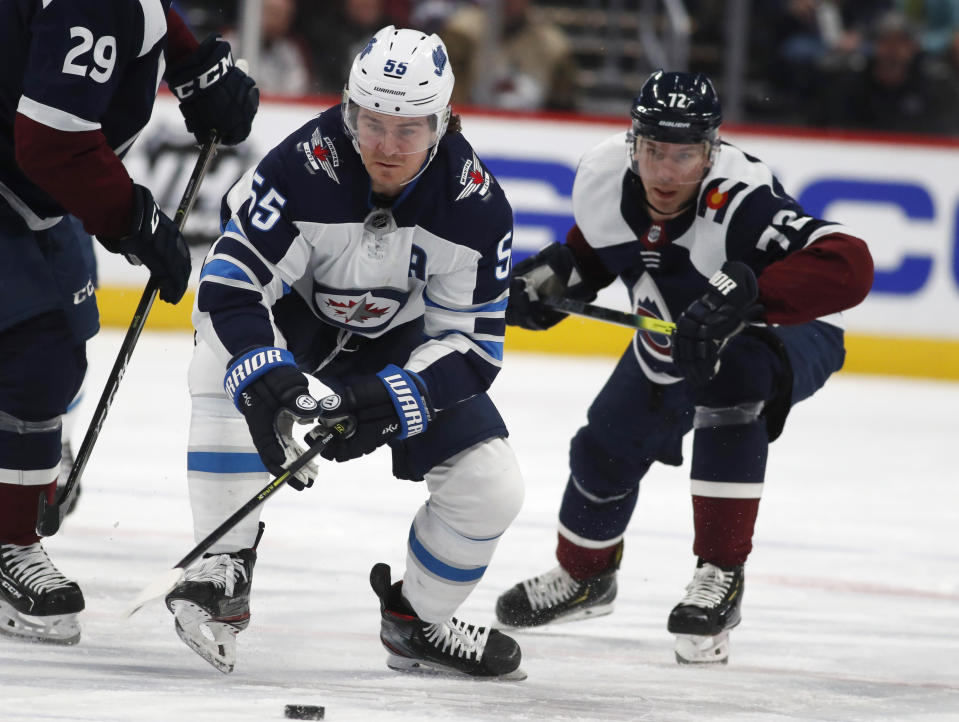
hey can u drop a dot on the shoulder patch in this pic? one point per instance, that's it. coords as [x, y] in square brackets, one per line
[320, 153]
[474, 178]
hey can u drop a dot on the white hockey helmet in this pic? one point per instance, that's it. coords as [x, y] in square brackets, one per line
[405, 73]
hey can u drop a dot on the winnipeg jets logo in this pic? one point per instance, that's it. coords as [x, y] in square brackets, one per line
[474, 179]
[321, 154]
[355, 311]
[439, 60]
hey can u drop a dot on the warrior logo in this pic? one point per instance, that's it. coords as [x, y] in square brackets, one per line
[368, 48]
[474, 179]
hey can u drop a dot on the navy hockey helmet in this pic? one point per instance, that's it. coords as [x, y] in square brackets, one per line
[677, 108]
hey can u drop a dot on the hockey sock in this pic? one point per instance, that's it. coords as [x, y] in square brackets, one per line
[724, 529]
[18, 511]
[728, 469]
[583, 563]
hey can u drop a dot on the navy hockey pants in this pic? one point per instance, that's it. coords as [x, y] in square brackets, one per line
[633, 422]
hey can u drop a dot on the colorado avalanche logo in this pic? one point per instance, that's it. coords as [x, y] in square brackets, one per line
[653, 350]
[439, 59]
[368, 48]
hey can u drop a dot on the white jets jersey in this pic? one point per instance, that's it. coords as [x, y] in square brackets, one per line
[742, 213]
[303, 222]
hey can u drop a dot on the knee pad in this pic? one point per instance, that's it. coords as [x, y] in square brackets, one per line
[478, 492]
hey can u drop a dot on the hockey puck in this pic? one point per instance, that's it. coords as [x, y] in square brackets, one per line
[303, 711]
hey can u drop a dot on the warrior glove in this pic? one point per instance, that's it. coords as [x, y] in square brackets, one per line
[551, 273]
[272, 394]
[214, 94]
[710, 321]
[392, 405]
[155, 241]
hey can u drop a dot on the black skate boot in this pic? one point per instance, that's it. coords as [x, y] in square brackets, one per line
[211, 604]
[37, 603]
[452, 647]
[702, 619]
[66, 464]
[556, 597]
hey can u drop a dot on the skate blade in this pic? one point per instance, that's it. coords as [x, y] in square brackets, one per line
[60, 629]
[212, 641]
[435, 669]
[600, 610]
[701, 649]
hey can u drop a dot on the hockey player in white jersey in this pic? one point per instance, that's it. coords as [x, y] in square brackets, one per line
[704, 234]
[370, 249]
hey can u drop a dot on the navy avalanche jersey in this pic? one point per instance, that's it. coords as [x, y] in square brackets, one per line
[76, 65]
[742, 213]
[302, 221]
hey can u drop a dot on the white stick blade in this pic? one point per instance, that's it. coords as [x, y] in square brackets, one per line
[154, 590]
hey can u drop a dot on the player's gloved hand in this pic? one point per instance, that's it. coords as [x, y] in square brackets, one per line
[393, 404]
[272, 394]
[551, 273]
[214, 94]
[155, 241]
[710, 321]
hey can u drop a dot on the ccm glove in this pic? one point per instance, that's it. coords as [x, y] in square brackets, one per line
[719, 314]
[551, 273]
[391, 405]
[272, 394]
[156, 242]
[214, 94]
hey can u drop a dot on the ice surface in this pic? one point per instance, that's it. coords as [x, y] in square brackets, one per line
[851, 610]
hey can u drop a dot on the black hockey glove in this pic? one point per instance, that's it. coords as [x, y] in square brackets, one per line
[391, 405]
[214, 94]
[710, 321]
[155, 241]
[272, 394]
[551, 273]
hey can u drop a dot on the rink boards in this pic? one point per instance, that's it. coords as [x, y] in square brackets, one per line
[900, 193]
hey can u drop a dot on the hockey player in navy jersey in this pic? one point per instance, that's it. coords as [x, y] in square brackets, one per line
[368, 251]
[78, 85]
[702, 234]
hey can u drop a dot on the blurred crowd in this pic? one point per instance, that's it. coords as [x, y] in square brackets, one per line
[888, 65]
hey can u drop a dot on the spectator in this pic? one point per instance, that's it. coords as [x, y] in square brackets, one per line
[804, 38]
[338, 34]
[936, 20]
[901, 88]
[283, 67]
[533, 68]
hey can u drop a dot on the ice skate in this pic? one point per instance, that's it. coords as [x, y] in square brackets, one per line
[66, 464]
[37, 603]
[211, 605]
[556, 597]
[452, 647]
[702, 619]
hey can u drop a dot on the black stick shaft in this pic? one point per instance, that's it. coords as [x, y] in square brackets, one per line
[50, 516]
[608, 315]
[315, 448]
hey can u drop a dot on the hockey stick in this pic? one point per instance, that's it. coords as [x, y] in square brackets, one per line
[50, 516]
[165, 582]
[608, 315]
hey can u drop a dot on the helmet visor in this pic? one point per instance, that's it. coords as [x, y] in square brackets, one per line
[668, 164]
[393, 134]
